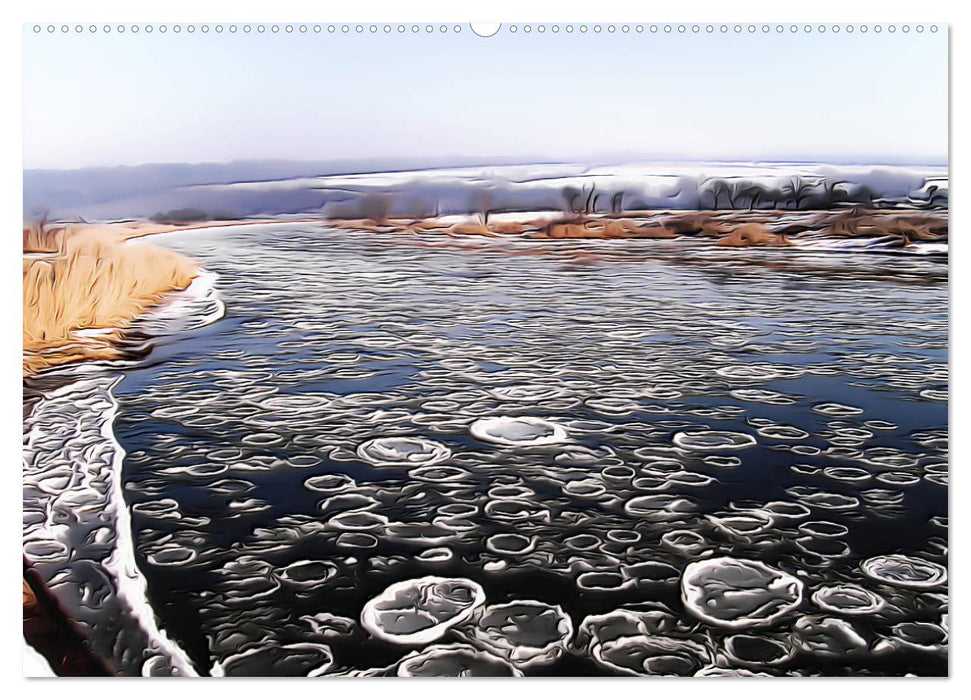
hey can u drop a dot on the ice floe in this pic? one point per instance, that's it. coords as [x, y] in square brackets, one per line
[403, 452]
[921, 636]
[523, 632]
[296, 659]
[904, 571]
[453, 661]
[419, 611]
[738, 593]
[651, 655]
[758, 651]
[307, 574]
[827, 636]
[523, 431]
[526, 393]
[848, 599]
[712, 440]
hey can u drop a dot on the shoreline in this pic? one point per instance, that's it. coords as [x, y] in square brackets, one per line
[142, 229]
[882, 231]
[83, 288]
[739, 228]
[94, 334]
[120, 636]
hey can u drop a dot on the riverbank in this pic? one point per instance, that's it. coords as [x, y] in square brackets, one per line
[67, 414]
[83, 286]
[857, 227]
[96, 613]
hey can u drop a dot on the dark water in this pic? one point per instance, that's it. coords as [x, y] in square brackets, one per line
[696, 388]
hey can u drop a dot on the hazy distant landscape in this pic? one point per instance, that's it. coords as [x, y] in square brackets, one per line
[345, 190]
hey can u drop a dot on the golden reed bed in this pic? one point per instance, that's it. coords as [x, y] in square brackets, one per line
[83, 286]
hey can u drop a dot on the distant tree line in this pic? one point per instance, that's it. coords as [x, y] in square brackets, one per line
[189, 216]
[795, 193]
[578, 201]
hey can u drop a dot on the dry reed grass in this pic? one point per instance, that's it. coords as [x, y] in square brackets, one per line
[906, 226]
[730, 228]
[470, 228]
[510, 227]
[44, 238]
[752, 234]
[85, 287]
[909, 227]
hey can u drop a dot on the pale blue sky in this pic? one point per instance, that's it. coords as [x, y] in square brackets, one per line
[128, 99]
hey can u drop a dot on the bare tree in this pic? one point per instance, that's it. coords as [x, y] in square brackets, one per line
[588, 199]
[376, 207]
[570, 195]
[833, 192]
[864, 196]
[754, 191]
[798, 189]
[717, 187]
[580, 201]
[617, 202]
[482, 203]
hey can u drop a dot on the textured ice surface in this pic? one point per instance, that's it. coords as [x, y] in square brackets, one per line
[848, 599]
[524, 632]
[338, 338]
[297, 659]
[80, 539]
[905, 571]
[524, 431]
[421, 610]
[454, 660]
[738, 593]
[713, 440]
[403, 451]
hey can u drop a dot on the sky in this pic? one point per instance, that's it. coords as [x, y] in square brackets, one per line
[126, 99]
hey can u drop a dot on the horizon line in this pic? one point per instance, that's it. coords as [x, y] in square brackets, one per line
[445, 163]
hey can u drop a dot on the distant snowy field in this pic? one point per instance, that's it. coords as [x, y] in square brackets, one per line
[112, 193]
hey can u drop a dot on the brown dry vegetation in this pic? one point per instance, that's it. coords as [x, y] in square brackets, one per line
[912, 226]
[470, 228]
[752, 235]
[508, 227]
[729, 228]
[89, 280]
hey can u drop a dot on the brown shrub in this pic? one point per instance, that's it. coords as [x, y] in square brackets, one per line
[605, 228]
[470, 228]
[905, 226]
[694, 224]
[431, 224]
[685, 224]
[511, 227]
[748, 235]
[715, 228]
[620, 228]
[573, 229]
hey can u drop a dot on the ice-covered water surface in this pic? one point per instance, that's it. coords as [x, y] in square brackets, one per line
[76, 528]
[650, 457]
